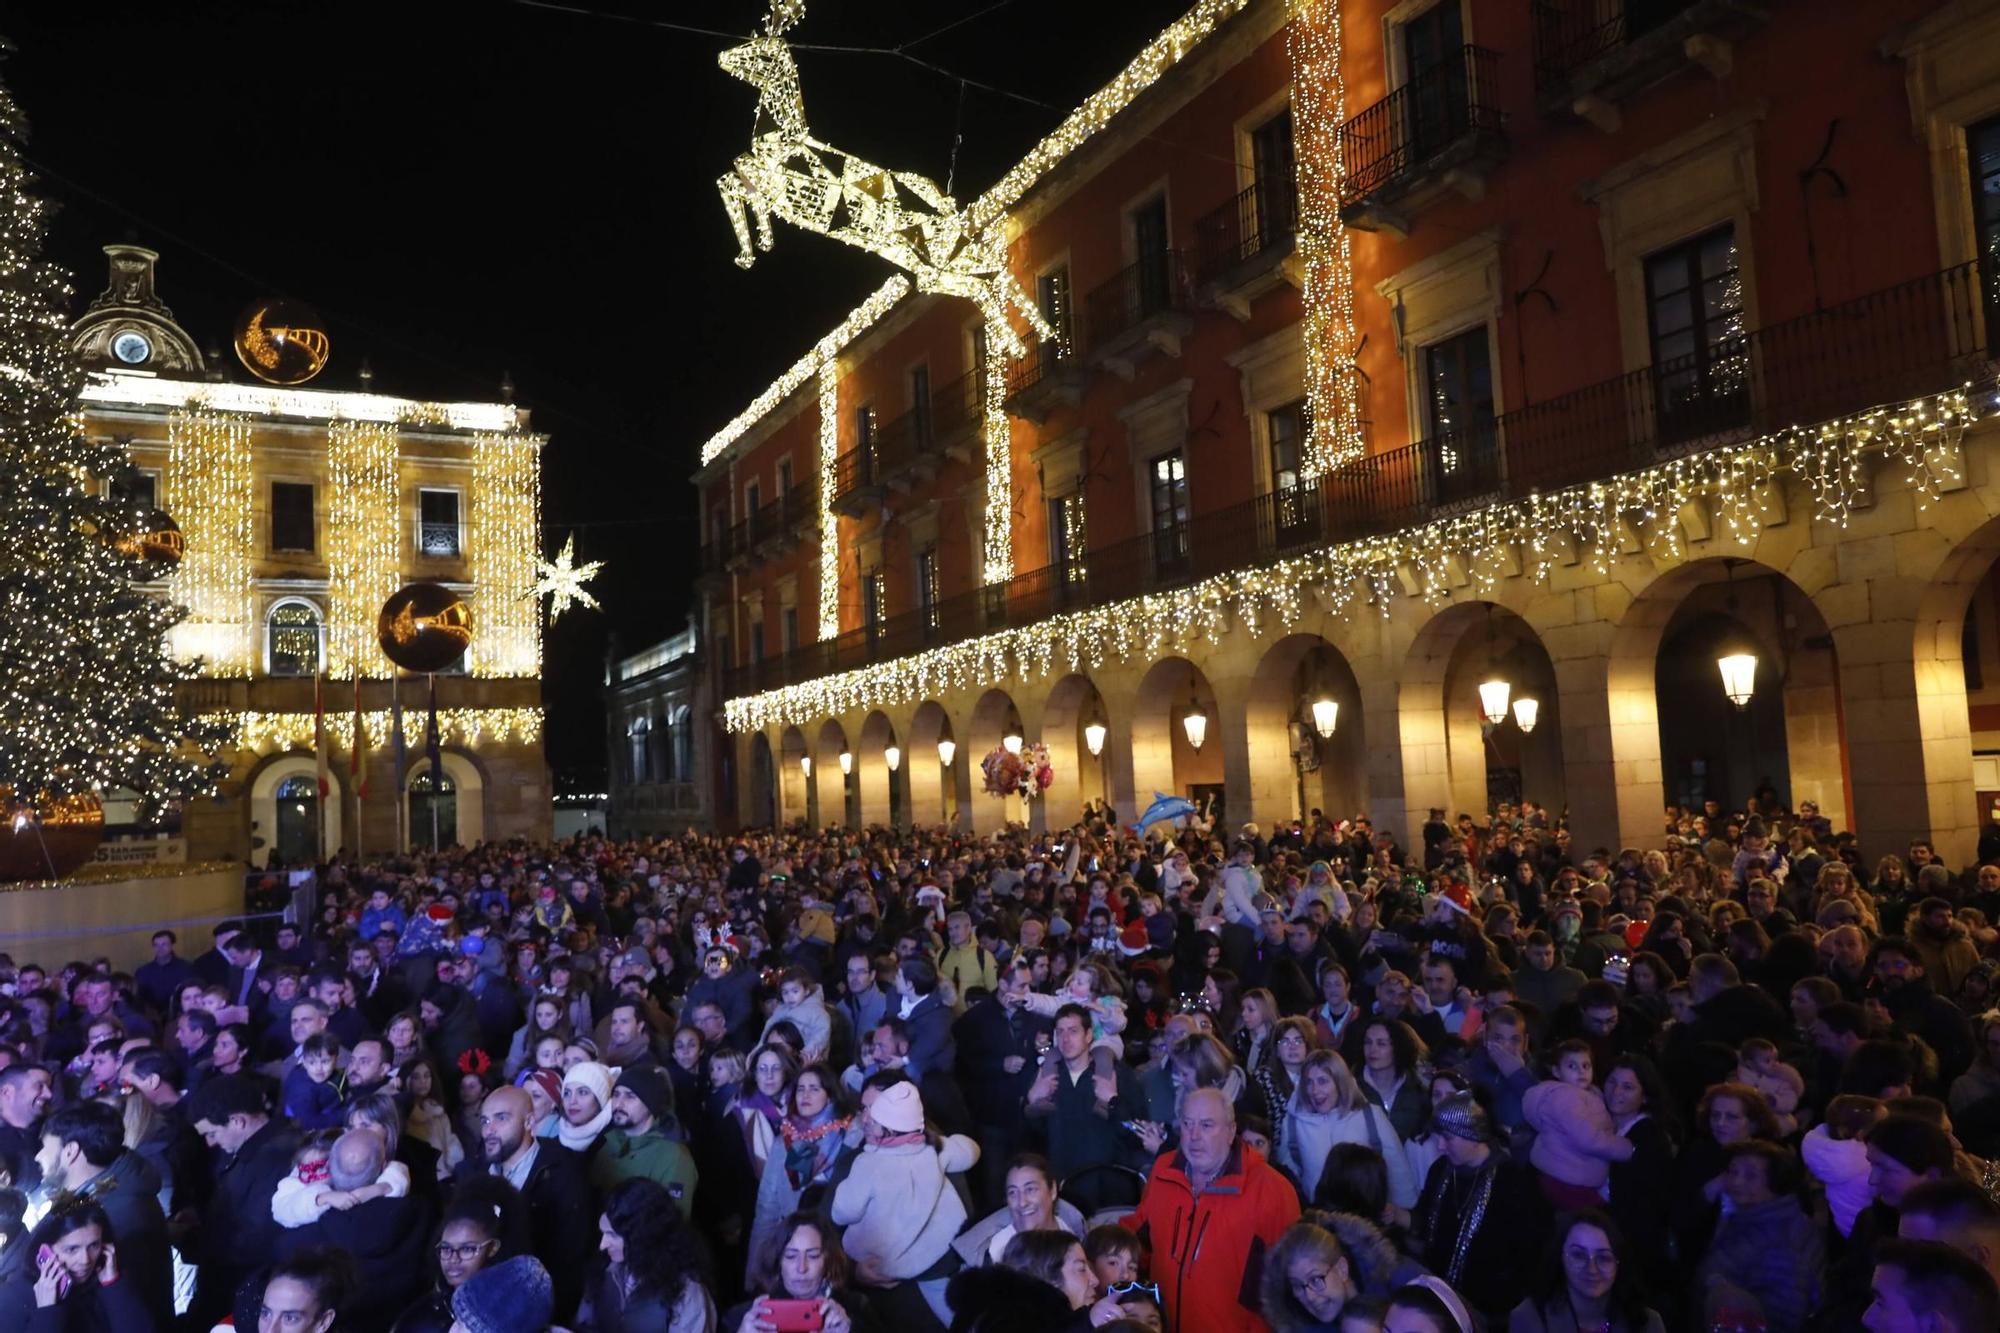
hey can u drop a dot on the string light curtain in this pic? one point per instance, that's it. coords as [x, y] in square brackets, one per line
[270, 733]
[210, 491]
[363, 542]
[829, 522]
[1319, 109]
[502, 542]
[996, 435]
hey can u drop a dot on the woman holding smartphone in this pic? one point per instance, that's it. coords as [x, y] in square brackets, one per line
[798, 1284]
[70, 1282]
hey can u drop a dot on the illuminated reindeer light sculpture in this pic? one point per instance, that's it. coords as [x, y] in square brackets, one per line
[903, 217]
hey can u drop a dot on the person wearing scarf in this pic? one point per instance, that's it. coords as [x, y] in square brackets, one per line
[586, 1106]
[812, 1138]
[1476, 1205]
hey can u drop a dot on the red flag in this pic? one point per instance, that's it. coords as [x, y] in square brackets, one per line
[319, 734]
[355, 769]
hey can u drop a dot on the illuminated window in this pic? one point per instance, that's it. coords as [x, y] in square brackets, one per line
[927, 587]
[1694, 317]
[1170, 511]
[294, 633]
[1068, 538]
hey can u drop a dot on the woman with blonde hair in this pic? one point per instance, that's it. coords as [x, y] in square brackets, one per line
[1329, 1108]
[1202, 1061]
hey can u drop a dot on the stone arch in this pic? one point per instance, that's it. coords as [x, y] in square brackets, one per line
[830, 785]
[1286, 751]
[1664, 720]
[1945, 799]
[794, 787]
[876, 786]
[1453, 759]
[990, 718]
[264, 784]
[1073, 703]
[1163, 759]
[936, 794]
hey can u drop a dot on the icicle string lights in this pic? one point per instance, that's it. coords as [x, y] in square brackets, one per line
[1592, 523]
[363, 503]
[502, 542]
[208, 488]
[269, 733]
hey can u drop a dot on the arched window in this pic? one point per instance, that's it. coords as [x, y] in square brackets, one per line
[293, 635]
[637, 736]
[683, 741]
[659, 753]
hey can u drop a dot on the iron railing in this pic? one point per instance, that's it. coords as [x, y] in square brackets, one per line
[1434, 110]
[1915, 338]
[1262, 218]
[1041, 361]
[438, 540]
[1570, 34]
[959, 404]
[1154, 285]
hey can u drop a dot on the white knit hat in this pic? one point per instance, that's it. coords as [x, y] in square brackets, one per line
[600, 1079]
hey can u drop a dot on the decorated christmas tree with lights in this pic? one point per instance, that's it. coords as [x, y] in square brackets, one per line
[86, 677]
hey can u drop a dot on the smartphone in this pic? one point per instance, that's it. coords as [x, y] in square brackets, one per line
[793, 1316]
[46, 1256]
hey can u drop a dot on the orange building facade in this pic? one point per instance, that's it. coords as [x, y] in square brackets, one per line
[1574, 346]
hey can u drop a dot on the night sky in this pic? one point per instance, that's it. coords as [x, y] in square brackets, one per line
[467, 189]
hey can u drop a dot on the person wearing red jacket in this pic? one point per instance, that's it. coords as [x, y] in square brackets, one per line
[1210, 1213]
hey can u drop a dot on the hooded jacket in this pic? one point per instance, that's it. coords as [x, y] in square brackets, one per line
[1374, 1265]
[810, 1017]
[622, 1155]
[899, 1209]
[1575, 1141]
[1208, 1249]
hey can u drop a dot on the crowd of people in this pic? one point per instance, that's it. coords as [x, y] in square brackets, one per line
[1180, 1080]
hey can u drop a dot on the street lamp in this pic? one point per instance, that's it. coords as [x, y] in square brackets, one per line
[1493, 700]
[1739, 674]
[1094, 732]
[1525, 712]
[846, 763]
[1326, 716]
[946, 749]
[893, 756]
[806, 764]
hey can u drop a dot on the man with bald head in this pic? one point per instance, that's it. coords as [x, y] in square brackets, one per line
[561, 1215]
[389, 1237]
[1218, 1196]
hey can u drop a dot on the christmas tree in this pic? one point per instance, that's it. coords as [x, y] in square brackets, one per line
[86, 680]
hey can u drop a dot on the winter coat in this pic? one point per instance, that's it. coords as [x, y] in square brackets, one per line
[613, 1310]
[1310, 1135]
[810, 1017]
[88, 1308]
[1229, 1227]
[975, 1244]
[621, 1155]
[237, 1234]
[1772, 1252]
[1374, 1266]
[899, 1208]
[128, 1191]
[390, 1241]
[1574, 1138]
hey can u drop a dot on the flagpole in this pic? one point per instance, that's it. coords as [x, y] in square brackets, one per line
[319, 760]
[437, 760]
[396, 740]
[357, 773]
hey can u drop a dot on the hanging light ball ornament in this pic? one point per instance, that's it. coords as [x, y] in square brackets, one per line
[157, 544]
[281, 342]
[49, 838]
[425, 627]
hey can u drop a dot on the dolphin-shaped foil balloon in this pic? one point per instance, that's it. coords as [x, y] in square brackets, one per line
[1163, 808]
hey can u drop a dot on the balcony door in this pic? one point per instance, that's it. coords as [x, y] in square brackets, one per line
[1436, 94]
[1168, 484]
[1982, 143]
[1458, 416]
[1275, 174]
[1694, 316]
[1152, 281]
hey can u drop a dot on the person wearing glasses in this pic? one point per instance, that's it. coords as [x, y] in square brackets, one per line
[1588, 1282]
[468, 1241]
[1325, 1265]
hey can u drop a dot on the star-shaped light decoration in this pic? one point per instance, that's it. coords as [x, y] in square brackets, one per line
[561, 580]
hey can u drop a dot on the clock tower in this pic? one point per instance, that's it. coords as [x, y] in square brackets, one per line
[128, 327]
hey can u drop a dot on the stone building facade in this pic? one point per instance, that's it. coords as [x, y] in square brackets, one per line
[657, 746]
[1405, 350]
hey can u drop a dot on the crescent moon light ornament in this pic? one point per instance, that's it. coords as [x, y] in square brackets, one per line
[561, 580]
[281, 342]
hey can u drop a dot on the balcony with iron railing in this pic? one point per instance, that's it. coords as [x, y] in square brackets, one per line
[1143, 311]
[1592, 54]
[1241, 248]
[898, 453]
[438, 541]
[1442, 131]
[1916, 338]
[957, 412]
[1051, 375]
